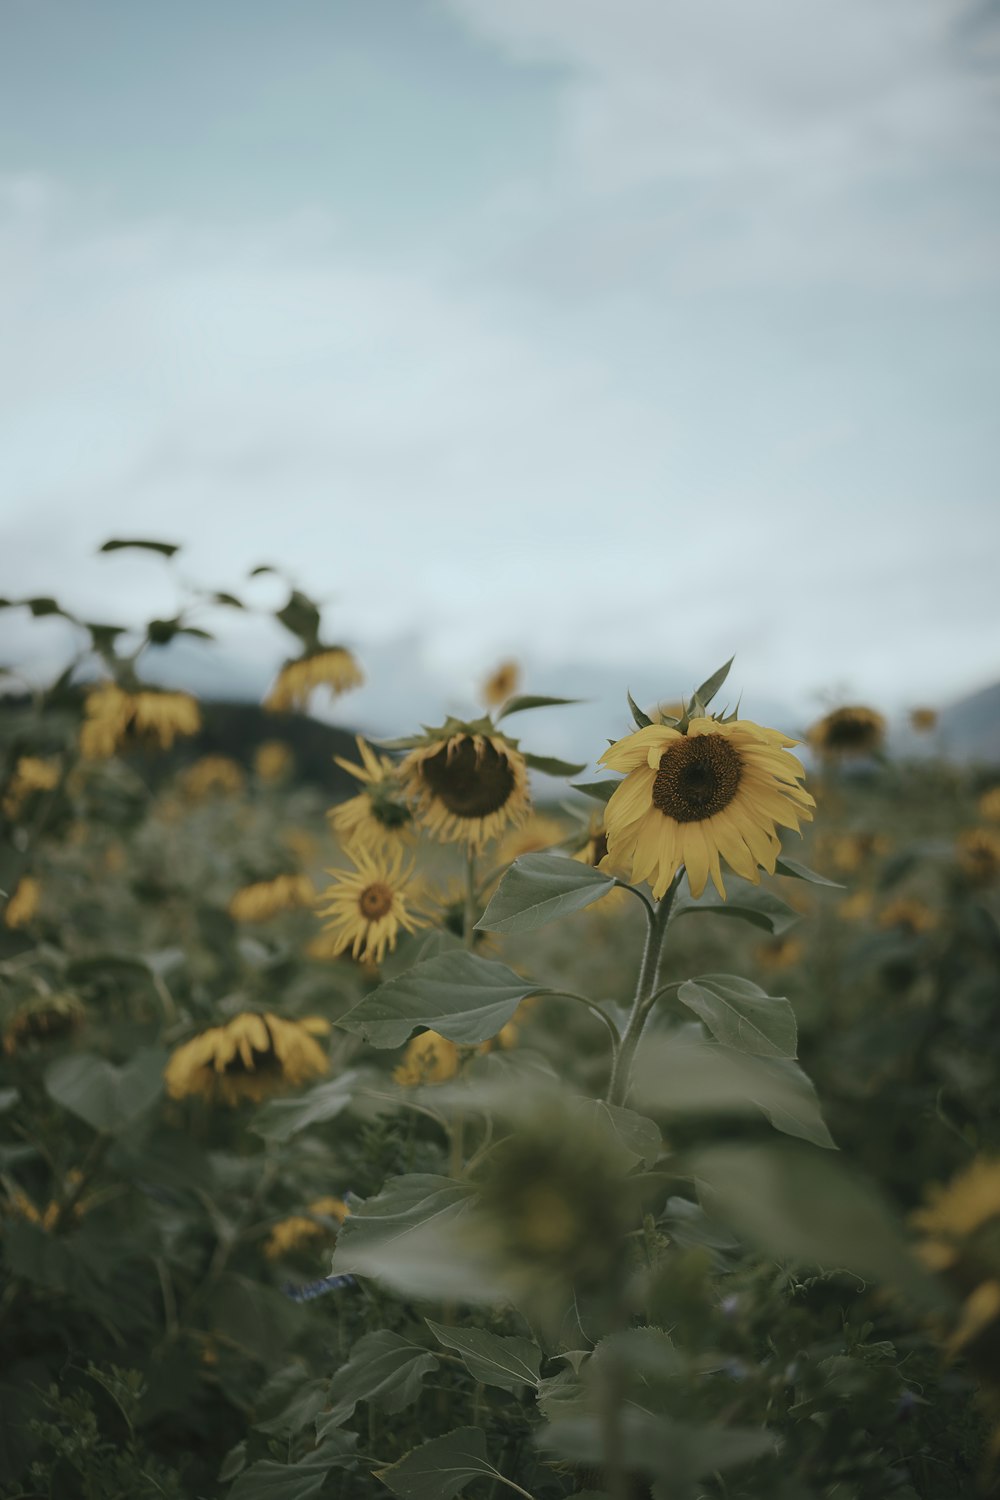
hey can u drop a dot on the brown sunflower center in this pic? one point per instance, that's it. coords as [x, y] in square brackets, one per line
[375, 901]
[470, 783]
[849, 730]
[697, 778]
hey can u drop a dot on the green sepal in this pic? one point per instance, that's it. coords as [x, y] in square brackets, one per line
[524, 701]
[642, 720]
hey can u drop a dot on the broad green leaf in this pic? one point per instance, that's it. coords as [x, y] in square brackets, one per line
[43, 606]
[553, 767]
[741, 1015]
[167, 549]
[540, 887]
[407, 1237]
[750, 902]
[462, 997]
[561, 1395]
[495, 1360]
[384, 1369]
[110, 1099]
[301, 617]
[8, 1098]
[642, 720]
[686, 1074]
[530, 700]
[704, 694]
[797, 871]
[636, 1137]
[280, 1119]
[600, 791]
[440, 1469]
[268, 1480]
[799, 1204]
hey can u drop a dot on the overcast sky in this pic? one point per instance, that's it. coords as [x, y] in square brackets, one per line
[614, 336]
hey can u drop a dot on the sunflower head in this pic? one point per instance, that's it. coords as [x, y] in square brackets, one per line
[330, 667]
[429, 1058]
[909, 916]
[923, 720]
[501, 684]
[978, 851]
[960, 1225]
[366, 907]
[379, 817]
[268, 898]
[989, 805]
[294, 1233]
[250, 1058]
[114, 719]
[468, 783]
[717, 788]
[273, 760]
[44, 1018]
[32, 774]
[212, 775]
[849, 731]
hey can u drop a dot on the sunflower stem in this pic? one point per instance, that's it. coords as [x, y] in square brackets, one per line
[469, 922]
[645, 995]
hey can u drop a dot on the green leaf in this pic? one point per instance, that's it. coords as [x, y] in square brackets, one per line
[752, 903]
[167, 549]
[657, 1446]
[110, 1099]
[40, 607]
[385, 1369]
[637, 1138]
[518, 704]
[301, 617]
[642, 720]
[407, 1236]
[703, 695]
[540, 887]
[600, 791]
[510, 1363]
[742, 1015]
[802, 1205]
[440, 1469]
[268, 1480]
[551, 766]
[262, 568]
[462, 997]
[234, 1463]
[685, 1074]
[230, 599]
[8, 1098]
[280, 1119]
[796, 871]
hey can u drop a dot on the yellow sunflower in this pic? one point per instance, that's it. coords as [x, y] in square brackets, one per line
[989, 805]
[273, 760]
[212, 775]
[687, 798]
[852, 730]
[856, 907]
[539, 833]
[501, 684]
[429, 1058]
[378, 817]
[366, 907]
[31, 774]
[291, 1234]
[22, 908]
[909, 916]
[468, 785]
[249, 1058]
[332, 667]
[267, 898]
[44, 1018]
[112, 717]
[780, 953]
[923, 720]
[978, 852]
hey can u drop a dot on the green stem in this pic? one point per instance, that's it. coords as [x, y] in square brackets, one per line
[645, 995]
[469, 922]
[591, 1005]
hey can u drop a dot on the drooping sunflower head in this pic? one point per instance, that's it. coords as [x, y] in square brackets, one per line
[212, 775]
[330, 667]
[268, 898]
[501, 684]
[469, 783]
[923, 720]
[325, 1215]
[379, 817]
[366, 907]
[989, 805]
[721, 788]
[43, 1018]
[978, 851]
[250, 1058]
[113, 718]
[852, 730]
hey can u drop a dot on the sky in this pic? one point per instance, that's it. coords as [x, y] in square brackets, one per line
[614, 338]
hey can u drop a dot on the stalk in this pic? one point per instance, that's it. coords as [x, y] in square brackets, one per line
[645, 995]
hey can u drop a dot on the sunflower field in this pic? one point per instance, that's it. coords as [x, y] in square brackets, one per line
[454, 1120]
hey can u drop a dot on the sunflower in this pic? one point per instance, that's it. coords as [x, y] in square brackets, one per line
[501, 684]
[44, 1018]
[852, 730]
[961, 1224]
[989, 805]
[212, 775]
[250, 1057]
[923, 720]
[780, 953]
[590, 852]
[24, 903]
[20, 1206]
[291, 1234]
[378, 817]
[331, 667]
[113, 716]
[978, 852]
[539, 833]
[847, 852]
[31, 774]
[273, 760]
[368, 905]
[907, 915]
[267, 898]
[468, 784]
[687, 798]
[856, 907]
[429, 1058]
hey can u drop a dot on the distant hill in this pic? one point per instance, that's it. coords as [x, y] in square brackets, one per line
[237, 729]
[972, 727]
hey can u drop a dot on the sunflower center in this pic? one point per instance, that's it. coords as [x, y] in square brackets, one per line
[850, 731]
[470, 783]
[697, 778]
[375, 901]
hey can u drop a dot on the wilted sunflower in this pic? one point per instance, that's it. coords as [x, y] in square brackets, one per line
[501, 684]
[31, 774]
[213, 774]
[113, 717]
[989, 805]
[273, 760]
[366, 907]
[908, 915]
[469, 784]
[43, 1018]
[331, 667]
[291, 1234]
[687, 798]
[267, 898]
[23, 905]
[429, 1058]
[249, 1058]
[923, 720]
[978, 852]
[852, 730]
[378, 817]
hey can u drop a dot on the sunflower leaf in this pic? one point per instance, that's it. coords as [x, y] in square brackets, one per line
[385, 1369]
[642, 720]
[524, 701]
[600, 791]
[280, 1119]
[760, 907]
[440, 1469]
[704, 694]
[540, 887]
[741, 1015]
[302, 618]
[462, 997]
[509, 1363]
[551, 766]
[109, 1098]
[166, 549]
[796, 871]
[409, 1237]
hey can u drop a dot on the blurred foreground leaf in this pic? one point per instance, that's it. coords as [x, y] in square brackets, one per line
[280, 1119]
[385, 1369]
[166, 549]
[540, 887]
[109, 1098]
[407, 1237]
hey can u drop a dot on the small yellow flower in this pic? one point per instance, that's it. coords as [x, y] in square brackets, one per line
[31, 774]
[429, 1058]
[366, 907]
[291, 1234]
[273, 760]
[989, 805]
[113, 717]
[978, 851]
[23, 905]
[923, 720]
[267, 898]
[501, 684]
[43, 1018]
[212, 775]
[468, 787]
[249, 1058]
[333, 668]
[718, 789]
[852, 730]
[908, 915]
[378, 818]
